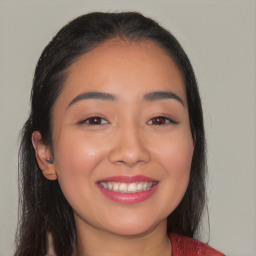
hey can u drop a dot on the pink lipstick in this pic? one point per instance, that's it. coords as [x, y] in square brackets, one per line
[128, 189]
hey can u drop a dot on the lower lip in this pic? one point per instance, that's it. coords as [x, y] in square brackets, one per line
[128, 198]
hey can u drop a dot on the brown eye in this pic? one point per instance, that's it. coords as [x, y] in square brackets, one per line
[158, 120]
[94, 120]
[161, 120]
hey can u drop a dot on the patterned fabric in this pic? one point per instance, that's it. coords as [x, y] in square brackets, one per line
[181, 246]
[184, 246]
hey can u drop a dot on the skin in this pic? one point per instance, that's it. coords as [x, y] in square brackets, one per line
[126, 142]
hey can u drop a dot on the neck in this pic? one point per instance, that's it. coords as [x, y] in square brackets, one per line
[95, 242]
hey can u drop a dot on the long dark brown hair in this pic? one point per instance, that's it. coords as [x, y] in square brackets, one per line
[43, 208]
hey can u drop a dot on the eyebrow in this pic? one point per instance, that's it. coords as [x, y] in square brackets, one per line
[93, 95]
[162, 95]
[152, 96]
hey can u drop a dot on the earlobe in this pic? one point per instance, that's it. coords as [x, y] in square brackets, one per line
[50, 173]
[44, 157]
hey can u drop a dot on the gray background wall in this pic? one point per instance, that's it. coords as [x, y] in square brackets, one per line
[219, 37]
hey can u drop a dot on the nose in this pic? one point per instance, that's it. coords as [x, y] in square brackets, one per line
[128, 148]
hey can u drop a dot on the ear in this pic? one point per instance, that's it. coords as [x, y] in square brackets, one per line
[44, 157]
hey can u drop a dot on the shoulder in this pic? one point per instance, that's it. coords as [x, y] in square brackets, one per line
[184, 246]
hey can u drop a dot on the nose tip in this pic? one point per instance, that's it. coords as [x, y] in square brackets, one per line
[130, 159]
[129, 150]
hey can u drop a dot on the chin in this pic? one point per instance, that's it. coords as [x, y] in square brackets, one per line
[131, 231]
[135, 228]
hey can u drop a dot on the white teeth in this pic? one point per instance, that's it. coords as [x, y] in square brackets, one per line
[127, 187]
[132, 187]
[145, 185]
[109, 186]
[123, 187]
[115, 187]
[139, 187]
[104, 185]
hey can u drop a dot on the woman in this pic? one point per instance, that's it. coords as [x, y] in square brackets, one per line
[112, 158]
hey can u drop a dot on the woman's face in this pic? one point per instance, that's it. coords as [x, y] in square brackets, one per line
[121, 137]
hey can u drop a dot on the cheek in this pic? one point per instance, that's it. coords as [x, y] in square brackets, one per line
[76, 159]
[176, 154]
[72, 155]
[176, 158]
[180, 163]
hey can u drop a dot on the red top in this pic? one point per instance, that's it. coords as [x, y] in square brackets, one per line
[184, 246]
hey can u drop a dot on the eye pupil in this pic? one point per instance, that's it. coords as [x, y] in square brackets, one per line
[158, 120]
[95, 120]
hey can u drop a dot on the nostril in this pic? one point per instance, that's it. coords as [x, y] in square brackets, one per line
[129, 157]
[129, 147]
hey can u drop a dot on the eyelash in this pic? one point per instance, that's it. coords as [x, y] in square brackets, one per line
[92, 119]
[158, 120]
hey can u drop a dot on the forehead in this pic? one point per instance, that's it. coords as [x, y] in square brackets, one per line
[123, 67]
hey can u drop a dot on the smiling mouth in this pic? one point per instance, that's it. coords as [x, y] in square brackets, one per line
[133, 187]
[128, 189]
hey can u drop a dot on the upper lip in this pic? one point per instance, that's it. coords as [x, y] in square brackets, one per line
[127, 179]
